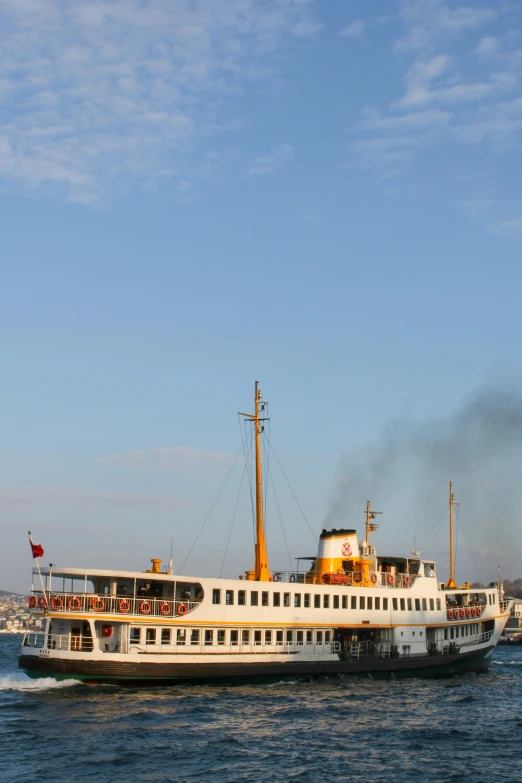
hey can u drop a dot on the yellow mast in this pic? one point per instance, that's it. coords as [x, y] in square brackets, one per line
[371, 527]
[261, 572]
[451, 581]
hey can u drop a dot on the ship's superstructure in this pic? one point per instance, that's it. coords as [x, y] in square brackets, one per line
[351, 611]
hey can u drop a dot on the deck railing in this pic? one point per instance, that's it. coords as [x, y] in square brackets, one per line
[93, 603]
[478, 639]
[347, 578]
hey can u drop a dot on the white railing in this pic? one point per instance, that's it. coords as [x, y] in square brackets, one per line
[93, 603]
[346, 578]
[243, 649]
[479, 639]
[79, 643]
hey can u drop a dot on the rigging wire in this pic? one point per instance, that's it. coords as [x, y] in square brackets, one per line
[210, 512]
[280, 518]
[293, 493]
[248, 458]
[233, 519]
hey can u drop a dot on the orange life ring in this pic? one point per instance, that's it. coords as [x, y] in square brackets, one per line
[31, 602]
[56, 602]
[473, 611]
[42, 602]
[390, 579]
[74, 603]
[468, 611]
[357, 577]
[277, 577]
[98, 604]
[124, 606]
[462, 613]
[374, 578]
[479, 611]
[145, 607]
[450, 614]
[182, 609]
[406, 579]
[165, 609]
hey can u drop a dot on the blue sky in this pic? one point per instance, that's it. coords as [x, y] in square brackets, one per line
[195, 195]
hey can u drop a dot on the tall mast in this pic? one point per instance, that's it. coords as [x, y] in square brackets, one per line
[261, 572]
[371, 527]
[451, 581]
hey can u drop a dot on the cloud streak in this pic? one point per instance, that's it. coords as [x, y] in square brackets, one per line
[101, 94]
[183, 459]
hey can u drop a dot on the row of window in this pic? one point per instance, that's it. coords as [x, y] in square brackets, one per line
[455, 632]
[344, 601]
[193, 636]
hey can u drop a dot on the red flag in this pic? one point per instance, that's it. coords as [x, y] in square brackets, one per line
[37, 549]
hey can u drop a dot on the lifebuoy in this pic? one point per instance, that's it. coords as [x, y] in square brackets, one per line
[98, 604]
[450, 614]
[473, 611]
[468, 611]
[292, 578]
[42, 602]
[406, 579]
[182, 609]
[479, 611]
[390, 579]
[145, 607]
[357, 577]
[277, 577]
[56, 602]
[31, 602]
[74, 603]
[124, 606]
[462, 613]
[165, 609]
[374, 578]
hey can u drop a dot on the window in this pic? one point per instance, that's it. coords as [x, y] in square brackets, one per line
[319, 637]
[253, 598]
[264, 598]
[151, 636]
[286, 599]
[345, 602]
[277, 599]
[494, 598]
[452, 633]
[234, 637]
[216, 596]
[370, 602]
[257, 637]
[377, 602]
[229, 597]
[327, 635]
[309, 639]
[326, 601]
[135, 635]
[438, 603]
[299, 637]
[417, 604]
[194, 636]
[279, 637]
[445, 633]
[362, 602]
[432, 605]
[221, 636]
[245, 636]
[165, 635]
[403, 604]
[241, 597]
[307, 600]
[268, 637]
[410, 605]
[209, 636]
[289, 637]
[336, 602]
[317, 601]
[181, 637]
[297, 600]
[385, 604]
[424, 604]
[354, 602]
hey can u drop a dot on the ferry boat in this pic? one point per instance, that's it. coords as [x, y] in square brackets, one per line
[350, 612]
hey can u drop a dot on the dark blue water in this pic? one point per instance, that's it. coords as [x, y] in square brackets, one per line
[467, 728]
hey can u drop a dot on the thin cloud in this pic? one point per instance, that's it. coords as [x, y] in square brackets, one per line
[353, 30]
[278, 157]
[18, 497]
[106, 93]
[183, 459]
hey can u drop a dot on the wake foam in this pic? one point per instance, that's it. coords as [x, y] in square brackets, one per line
[11, 683]
[507, 663]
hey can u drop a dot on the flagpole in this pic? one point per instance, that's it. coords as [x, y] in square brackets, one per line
[39, 572]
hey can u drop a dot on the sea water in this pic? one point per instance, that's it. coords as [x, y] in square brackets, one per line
[466, 728]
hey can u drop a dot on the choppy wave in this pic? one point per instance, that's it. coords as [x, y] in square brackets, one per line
[507, 663]
[14, 683]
